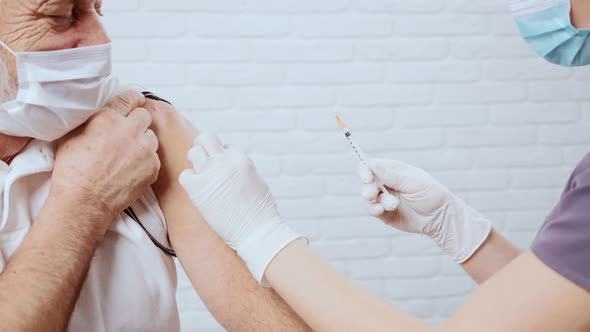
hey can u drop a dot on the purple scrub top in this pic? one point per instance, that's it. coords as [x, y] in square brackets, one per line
[563, 243]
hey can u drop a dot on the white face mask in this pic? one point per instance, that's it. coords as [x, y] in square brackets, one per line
[57, 91]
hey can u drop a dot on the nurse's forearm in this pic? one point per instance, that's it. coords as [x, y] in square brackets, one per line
[525, 296]
[327, 300]
[224, 283]
[42, 282]
[494, 254]
[217, 273]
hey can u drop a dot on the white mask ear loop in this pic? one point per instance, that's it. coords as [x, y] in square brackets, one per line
[7, 48]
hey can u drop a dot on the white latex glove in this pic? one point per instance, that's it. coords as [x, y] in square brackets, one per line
[234, 199]
[425, 207]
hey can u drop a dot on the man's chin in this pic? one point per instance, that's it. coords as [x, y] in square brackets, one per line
[7, 87]
[7, 96]
[12, 145]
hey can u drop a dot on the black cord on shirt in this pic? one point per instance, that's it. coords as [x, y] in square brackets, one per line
[129, 211]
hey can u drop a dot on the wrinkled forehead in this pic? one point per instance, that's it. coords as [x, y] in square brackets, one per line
[53, 7]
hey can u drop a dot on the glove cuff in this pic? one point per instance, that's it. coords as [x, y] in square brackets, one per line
[465, 232]
[263, 246]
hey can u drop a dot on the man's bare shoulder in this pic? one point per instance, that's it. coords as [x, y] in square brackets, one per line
[175, 137]
[166, 118]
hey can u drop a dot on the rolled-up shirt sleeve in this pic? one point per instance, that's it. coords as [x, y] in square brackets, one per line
[563, 243]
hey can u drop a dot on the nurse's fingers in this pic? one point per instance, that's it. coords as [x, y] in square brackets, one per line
[211, 143]
[365, 173]
[389, 202]
[376, 210]
[198, 157]
[370, 191]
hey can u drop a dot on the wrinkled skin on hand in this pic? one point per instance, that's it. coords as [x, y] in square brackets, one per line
[112, 159]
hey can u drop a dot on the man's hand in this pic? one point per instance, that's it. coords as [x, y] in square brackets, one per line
[100, 168]
[111, 160]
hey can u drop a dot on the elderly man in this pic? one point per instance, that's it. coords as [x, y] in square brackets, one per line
[71, 259]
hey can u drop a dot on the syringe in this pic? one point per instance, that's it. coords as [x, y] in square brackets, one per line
[358, 151]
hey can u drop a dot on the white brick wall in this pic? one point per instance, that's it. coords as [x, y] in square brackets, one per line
[446, 85]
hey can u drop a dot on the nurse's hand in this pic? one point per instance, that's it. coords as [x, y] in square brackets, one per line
[236, 201]
[425, 207]
[111, 160]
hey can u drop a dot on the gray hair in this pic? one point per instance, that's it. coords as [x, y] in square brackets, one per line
[7, 86]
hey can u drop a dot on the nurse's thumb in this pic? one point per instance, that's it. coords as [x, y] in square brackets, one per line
[391, 172]
[186, 179]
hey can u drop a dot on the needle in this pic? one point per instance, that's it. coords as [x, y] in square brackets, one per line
[357, 149]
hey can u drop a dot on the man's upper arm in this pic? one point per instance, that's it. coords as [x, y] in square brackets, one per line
[218, 274]
[526, 296]
[175, 135]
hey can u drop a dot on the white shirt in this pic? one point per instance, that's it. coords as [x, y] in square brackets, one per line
[131, 284]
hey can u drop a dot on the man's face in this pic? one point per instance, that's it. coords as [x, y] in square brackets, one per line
[47, 25]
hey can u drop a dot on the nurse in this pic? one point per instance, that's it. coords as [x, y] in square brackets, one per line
[545, 288]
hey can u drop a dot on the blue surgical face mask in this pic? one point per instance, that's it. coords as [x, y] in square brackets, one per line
[546, 26]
